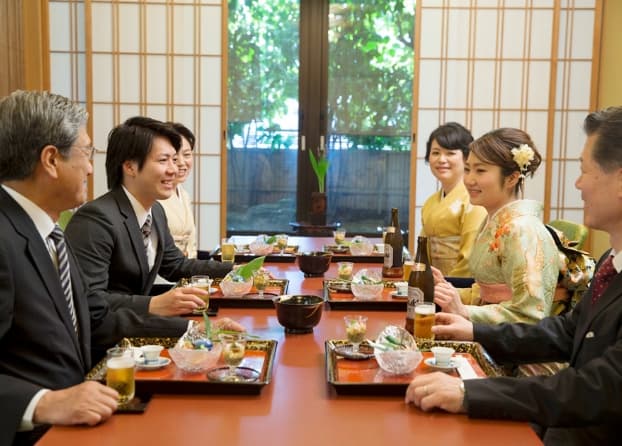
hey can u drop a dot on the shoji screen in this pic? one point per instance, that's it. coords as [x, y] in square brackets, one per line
[510, 63]
[160, 58]
[485, 63]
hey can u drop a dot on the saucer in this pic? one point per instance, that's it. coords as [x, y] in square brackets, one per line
[394, 295]
[240, 375]
[431, 362]
[337, 249]
[340, 286]
[162, 362]
[345, 351]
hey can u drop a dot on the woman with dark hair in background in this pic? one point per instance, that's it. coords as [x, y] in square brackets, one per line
[449, 220]
[178, 207]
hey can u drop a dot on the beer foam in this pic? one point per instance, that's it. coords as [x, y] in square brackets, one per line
[425, 309]
[122, 362]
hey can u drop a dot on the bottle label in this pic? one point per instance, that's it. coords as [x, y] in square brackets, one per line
[415, 294]
[388, 255]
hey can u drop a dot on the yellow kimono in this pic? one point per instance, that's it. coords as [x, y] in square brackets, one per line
[451, 224]
[178, 211]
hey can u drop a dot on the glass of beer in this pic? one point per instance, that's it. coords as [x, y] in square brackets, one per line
[424, 319]
[227, 251]
[204, 283]
[120, 376]
[408, 266]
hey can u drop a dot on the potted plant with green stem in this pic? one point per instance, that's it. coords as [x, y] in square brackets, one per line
[317, 215]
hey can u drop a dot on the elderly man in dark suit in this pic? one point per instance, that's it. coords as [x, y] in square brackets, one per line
[46, 322]
[122, 240]
[580, 404]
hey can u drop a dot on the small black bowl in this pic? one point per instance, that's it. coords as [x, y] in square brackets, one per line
[299, 313]
[315, 263]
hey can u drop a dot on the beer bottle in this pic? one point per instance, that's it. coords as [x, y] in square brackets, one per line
[420, 283]
[393, 247]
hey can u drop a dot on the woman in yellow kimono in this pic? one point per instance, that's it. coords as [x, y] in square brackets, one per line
[178, 207]
[514, 259]
[449, 220]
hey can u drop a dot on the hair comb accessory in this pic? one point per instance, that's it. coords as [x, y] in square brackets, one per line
[523, 155]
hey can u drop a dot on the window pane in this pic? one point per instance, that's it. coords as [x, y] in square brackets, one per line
[370, 75]
[262, 127]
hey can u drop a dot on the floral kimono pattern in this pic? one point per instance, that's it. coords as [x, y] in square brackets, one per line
[515, 264]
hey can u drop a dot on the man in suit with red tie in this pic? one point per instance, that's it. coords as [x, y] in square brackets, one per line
[582, 403]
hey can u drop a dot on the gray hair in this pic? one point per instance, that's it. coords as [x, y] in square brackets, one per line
[31, 120]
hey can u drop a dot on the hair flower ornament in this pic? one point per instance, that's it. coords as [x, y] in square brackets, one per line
[523, 155]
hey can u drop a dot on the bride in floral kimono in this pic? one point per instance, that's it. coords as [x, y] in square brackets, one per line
[449, 220]
[514, 260]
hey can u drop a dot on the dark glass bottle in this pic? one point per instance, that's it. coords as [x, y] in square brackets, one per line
[420, 283]
[393, 246]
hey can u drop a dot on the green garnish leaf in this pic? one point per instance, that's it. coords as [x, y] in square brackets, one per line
[247, 271]
[394, 341]
[270, 240]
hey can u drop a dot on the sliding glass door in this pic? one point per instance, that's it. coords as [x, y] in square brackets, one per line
[331, 77]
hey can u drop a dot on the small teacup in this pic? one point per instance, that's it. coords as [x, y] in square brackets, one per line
[401, 288]
[151, 353]
[442, 355]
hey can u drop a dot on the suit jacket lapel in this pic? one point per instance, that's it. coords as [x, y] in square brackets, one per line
[42, 262]
[133, 231]
[613, 292]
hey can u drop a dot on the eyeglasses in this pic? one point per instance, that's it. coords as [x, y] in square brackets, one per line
[89, 152]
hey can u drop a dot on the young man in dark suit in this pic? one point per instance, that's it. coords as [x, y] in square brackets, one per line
[118, 255]
[580, 404]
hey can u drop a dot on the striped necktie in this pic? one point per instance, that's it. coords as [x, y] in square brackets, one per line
[146, 230]
[58, 238]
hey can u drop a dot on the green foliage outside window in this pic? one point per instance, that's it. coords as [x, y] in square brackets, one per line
[370, 68]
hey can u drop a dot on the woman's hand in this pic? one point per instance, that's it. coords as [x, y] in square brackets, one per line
[438, 275]
[449, 300]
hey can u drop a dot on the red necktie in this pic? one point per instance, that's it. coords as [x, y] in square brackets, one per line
[602, 277]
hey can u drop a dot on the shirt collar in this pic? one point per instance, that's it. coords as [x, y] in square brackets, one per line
[617, 260]
[139, 210]
[43, 222]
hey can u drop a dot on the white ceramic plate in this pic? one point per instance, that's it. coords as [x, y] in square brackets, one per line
[431, 362]
[162, 362]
